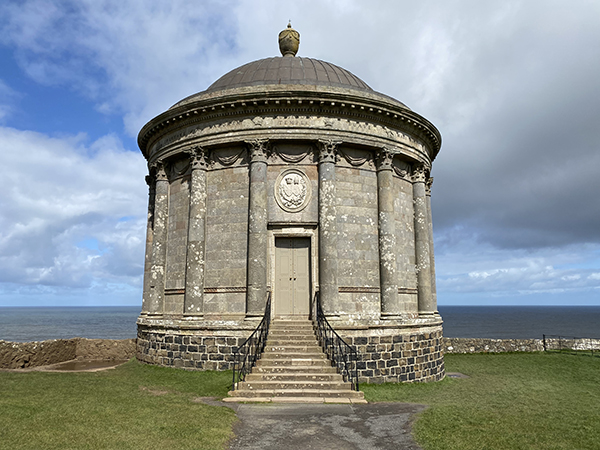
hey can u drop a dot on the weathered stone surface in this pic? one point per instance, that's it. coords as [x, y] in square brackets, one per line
[480, 345]
[340, 170]
[21, 355]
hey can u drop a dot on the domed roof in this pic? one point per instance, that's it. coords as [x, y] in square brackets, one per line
[289, 70]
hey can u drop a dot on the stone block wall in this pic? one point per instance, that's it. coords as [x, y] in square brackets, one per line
[226, 240]
[206, 352]
[405, 243]
[400, 358]
[357, 244]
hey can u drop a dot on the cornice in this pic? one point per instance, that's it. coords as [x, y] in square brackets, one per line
[346, 105]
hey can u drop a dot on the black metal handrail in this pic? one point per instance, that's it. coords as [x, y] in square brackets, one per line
[245, 357]
[341, 354]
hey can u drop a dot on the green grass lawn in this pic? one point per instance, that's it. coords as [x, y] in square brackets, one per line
[511, 401]
[134, 406]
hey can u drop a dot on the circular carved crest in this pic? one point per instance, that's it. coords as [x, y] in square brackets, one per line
[292, 190]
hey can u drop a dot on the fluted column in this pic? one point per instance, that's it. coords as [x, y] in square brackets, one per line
[159, 242]
[257, 230]
[387, 234]
[151, 181]
[428, 185]
[422, 258]
[328, 232]
[194, 270]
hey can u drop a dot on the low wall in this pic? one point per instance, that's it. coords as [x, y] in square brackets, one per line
[20, 355]
[481, 345]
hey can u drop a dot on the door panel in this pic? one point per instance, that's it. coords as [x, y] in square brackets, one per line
[292, 276]
[301, 276]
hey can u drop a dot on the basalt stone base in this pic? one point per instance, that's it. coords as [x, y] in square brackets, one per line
[396, 355]
[188, 348]
[385, 353]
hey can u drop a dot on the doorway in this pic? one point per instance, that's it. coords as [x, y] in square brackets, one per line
[292, 276]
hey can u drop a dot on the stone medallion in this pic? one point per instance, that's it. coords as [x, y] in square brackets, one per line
[292, 190]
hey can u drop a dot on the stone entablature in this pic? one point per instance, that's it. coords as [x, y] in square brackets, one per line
[378, 124]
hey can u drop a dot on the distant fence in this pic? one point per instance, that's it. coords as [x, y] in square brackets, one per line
[570, 344]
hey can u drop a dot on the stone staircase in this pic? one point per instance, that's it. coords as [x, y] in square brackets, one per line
[294, 369]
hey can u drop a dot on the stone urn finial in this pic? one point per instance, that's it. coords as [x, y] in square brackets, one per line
[289, 41]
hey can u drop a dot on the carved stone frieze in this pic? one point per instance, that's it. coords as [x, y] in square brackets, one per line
[355, 160]
[290, 157]
[296, 122]
[226, 158]
[178, 168]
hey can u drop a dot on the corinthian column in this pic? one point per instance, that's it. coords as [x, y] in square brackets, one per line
[159, 241]
[328, 286]
[151, 181]
[422, 257]
[428, 185]
[387, 234]
[194, 270]
[257, 230]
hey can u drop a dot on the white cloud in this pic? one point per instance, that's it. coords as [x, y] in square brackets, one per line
[60, 195]
[512, 87]
[7, 98]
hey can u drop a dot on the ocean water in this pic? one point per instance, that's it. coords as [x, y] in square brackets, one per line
[500, 322]
[39, 324]
[520, 322]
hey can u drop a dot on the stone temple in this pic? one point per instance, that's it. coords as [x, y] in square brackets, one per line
[290, 175]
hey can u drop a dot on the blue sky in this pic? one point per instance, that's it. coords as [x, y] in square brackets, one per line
[512, 86]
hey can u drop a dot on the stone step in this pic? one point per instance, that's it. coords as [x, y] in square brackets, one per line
[285, 343]
[289, 348]
[288, 338]
[300, 362]
[296, 393]
[277, 385]
[304, 331]
[291, 369]
[291, 323]
[292, 336]
[294, 377]
[293, 355]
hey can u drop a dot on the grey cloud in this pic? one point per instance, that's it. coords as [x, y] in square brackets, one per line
[69, 193]
[511, 85]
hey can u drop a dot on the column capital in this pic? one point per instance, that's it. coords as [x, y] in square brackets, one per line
[383, 159]
[328, 152]
[419, 173]
[428, 184]
[198, 157]
[158, 171]
[258, 150]
[150, 180]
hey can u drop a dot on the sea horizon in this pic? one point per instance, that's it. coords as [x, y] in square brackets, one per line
[39, 323]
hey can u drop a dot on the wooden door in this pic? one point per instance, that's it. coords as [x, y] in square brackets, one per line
[292, 276]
